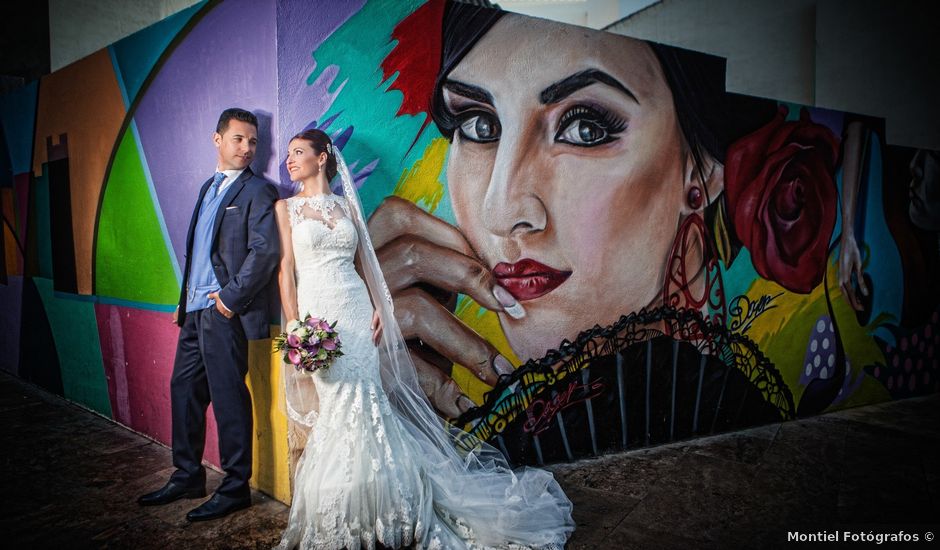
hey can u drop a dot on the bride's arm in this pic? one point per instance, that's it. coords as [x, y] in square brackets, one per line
[285, 272]
[376, 324]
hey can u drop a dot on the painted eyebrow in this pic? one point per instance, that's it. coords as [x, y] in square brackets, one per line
[469, 91]
[567, 86]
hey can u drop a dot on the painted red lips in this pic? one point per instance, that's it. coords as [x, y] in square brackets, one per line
[528, 279]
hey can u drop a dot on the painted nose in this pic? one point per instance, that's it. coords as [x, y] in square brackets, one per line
[512, 206]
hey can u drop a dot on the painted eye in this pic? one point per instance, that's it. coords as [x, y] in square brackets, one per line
[480, 127]
[584, 126]
[583, 132]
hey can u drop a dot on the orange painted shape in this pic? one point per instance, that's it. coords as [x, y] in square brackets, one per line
[82, 101]
[12, 257]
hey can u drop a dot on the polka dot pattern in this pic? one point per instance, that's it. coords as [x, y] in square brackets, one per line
[817, 354]
[911, 366]
[820, 359]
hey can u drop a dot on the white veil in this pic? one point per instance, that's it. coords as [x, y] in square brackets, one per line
[472, 481]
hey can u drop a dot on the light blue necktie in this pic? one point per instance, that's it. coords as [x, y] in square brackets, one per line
[211, 192]
[216, 182]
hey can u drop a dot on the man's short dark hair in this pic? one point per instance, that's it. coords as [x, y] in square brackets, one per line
[237, 114]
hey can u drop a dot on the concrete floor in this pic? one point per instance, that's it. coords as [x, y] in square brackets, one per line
[71, 479]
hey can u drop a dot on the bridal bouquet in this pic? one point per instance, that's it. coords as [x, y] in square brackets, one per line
[311, 344]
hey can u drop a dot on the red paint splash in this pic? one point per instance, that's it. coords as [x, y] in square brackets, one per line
[416, 58]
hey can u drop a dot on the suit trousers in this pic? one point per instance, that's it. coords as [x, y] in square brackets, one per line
[211, 365]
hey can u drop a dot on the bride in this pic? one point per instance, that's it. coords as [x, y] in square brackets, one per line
[379, 467]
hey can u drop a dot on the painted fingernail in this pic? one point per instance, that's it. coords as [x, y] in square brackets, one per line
[465, 404]
[513, 308]
[502, 365]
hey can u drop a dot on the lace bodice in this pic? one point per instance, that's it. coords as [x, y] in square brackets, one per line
[317, 207]
[324, 238]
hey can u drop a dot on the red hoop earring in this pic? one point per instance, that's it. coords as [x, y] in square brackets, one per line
[679, 285]
[694, 198]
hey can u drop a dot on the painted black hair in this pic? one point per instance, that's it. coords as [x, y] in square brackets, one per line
[463, 26]
[697, 83]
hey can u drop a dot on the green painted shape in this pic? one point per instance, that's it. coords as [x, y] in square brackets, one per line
[131, 258]
[42, 222]
[368, 105]
[75, 334]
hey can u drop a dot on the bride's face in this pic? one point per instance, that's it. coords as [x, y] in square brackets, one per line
[302, 161]
[565, 174]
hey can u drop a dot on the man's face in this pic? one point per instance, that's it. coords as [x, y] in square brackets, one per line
[236, 145]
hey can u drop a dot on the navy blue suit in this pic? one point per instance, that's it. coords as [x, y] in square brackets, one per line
[212, 352]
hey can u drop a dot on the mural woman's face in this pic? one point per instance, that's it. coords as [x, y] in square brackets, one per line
[566, 173]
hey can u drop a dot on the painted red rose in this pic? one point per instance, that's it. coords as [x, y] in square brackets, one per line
[782, 198]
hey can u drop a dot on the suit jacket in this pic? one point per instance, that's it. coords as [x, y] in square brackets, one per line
[245, 250]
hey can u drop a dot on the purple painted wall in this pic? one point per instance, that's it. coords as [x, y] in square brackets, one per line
[227, 60]
[302, 27]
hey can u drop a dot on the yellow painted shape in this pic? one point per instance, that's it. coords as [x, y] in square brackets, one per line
[485, 323]
[270, 470]
[782, 334]
[421, 183]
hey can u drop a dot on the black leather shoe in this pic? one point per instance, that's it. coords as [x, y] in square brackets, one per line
[218, 506]
[169, 493]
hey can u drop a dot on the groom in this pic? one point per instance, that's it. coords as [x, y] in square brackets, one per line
[231, 251]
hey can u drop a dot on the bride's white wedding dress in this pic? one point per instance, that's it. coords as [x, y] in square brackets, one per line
[365, 476]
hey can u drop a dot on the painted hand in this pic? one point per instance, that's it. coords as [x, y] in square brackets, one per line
[426, 263]
[850, 263]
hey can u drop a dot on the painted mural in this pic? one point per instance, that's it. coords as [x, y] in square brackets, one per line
[591, 245]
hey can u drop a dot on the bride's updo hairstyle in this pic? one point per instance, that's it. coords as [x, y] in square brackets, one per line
[321, 143]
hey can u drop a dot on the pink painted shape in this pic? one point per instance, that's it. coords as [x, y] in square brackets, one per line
[137, 348]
